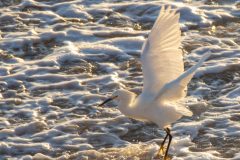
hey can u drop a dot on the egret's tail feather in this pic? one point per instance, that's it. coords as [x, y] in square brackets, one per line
[184, 111]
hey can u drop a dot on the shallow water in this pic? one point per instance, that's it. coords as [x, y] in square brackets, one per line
[59, 59]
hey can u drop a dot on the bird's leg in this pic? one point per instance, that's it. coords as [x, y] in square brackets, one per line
[161, 150]
[162, 144]
[169, 142]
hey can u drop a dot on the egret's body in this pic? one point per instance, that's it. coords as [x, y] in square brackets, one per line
[145, 109]
[165, 81]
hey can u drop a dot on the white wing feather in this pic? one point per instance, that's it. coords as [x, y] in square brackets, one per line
[161, 57]
[174, 90]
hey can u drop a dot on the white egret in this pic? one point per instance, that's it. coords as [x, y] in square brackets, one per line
[165, 81]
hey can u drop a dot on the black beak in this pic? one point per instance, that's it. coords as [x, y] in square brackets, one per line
[107, 100]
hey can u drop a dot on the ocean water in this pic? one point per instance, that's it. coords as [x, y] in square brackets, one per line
[59, 59]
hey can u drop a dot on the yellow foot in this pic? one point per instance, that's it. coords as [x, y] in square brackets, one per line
[161, 151]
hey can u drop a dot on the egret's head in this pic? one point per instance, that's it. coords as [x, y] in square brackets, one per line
[122, 96]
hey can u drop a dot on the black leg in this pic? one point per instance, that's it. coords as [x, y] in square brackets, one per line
[163, 142]
[169, 142]
[161, 150]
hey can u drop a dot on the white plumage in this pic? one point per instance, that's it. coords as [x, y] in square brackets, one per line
[161, 57]
[165, 81]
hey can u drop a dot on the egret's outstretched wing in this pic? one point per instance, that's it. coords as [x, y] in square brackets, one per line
[161, 57]
[174, 90]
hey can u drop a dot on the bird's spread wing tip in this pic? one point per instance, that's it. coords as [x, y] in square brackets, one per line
[161, 57]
